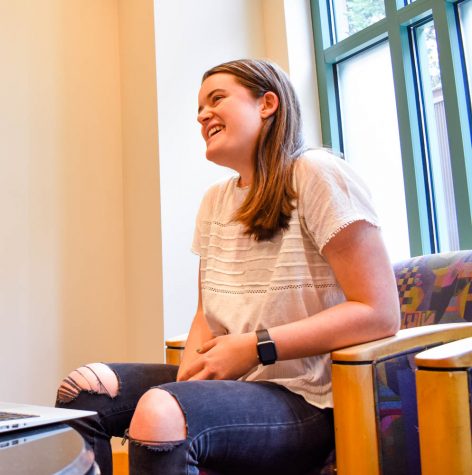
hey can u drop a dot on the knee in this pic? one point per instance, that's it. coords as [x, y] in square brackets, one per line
[95, 378]
[158, 418]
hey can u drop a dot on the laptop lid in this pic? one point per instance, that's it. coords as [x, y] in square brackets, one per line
[14, 416]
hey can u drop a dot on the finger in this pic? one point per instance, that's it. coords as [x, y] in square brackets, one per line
[191, 370]
[208, 345]
[200, 376]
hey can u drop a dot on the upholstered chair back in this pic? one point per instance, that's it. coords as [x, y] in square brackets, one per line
[432, 289]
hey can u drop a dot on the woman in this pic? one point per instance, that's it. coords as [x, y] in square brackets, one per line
[292, 266]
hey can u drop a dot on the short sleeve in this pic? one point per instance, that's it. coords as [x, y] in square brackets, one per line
[331, 196]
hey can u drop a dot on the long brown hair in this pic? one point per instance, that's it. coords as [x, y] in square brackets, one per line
[270, 200]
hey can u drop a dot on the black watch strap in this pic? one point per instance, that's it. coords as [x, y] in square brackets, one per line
[265, 348]
[263, 335]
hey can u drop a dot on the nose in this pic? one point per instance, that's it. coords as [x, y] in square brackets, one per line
[203, 115]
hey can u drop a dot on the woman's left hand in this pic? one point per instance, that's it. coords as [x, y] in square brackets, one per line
[223, 357]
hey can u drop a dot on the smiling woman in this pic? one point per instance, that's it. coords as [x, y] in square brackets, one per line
[275, 111]
[231, 120]
[292, 266]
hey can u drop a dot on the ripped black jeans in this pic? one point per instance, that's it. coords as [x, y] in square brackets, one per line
[233, 427]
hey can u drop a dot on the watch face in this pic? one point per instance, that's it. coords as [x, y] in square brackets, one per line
[267, 353]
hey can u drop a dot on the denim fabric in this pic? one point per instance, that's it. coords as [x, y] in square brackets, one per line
[232, 427]
[114, 415]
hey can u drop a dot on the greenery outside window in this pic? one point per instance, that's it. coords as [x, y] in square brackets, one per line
[353, 16]
[428, 43]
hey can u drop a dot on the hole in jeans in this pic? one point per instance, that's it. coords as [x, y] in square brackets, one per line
[159, 422]
[95, 378]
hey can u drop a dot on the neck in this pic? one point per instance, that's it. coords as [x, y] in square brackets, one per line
[246, 173]
[242, 183]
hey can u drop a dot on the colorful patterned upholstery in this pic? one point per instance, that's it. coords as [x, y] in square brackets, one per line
[435, 288]
[432, 289]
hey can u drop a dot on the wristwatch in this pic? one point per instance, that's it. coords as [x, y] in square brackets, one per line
[266, 348]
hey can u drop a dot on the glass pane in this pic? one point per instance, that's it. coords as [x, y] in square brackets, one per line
[351, 16]
[436, 139]
[371, 143]
[465, 12]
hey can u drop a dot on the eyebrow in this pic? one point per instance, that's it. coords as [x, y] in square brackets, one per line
[208, 96]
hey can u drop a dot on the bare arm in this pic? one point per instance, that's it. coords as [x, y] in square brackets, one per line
[360, 263]
[199, 333]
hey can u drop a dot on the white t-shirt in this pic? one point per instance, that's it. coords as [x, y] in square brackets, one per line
[249, 285]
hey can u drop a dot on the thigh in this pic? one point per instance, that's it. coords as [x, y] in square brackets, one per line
[134, 379]
[252, 427]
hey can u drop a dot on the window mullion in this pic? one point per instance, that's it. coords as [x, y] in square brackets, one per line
[329, 107]
[357, 42]
[412, 13]
[418, 212]
[456, 110]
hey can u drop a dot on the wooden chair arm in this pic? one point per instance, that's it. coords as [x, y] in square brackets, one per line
[457, 354]
[175, 349]
[177, 342]
[403, 341]
[443, 397]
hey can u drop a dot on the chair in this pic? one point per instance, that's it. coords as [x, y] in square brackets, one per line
[373, 383]
[175, 349]
[444, 392]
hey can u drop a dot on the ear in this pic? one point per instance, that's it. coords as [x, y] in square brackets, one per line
[269, 104]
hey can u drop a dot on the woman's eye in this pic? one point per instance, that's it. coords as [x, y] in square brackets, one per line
[217, 99]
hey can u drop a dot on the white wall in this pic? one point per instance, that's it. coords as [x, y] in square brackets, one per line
[80, 274]
[301, 66]
[61, 235]
[289, 42]
[142, 232]
[80, 238]
[192, 37]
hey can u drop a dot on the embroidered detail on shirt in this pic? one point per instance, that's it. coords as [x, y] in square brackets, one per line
[270, 289]
[345, 225]
[222, 225]
[293, 221]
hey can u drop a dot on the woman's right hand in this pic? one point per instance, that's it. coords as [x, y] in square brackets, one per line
[223, 357]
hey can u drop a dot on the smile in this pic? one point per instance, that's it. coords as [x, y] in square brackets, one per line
[214, 130]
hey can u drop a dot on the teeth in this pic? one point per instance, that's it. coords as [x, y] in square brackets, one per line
[214, 130]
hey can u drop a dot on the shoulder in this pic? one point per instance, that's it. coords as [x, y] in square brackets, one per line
[217, 191]
[319, 162]
[324, 168]
[221, 186]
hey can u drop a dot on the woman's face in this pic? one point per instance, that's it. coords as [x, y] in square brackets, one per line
[231, 120]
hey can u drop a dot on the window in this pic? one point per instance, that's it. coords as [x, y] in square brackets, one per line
[368, 116]
[394, 73]
[436, 143]
[352, 16]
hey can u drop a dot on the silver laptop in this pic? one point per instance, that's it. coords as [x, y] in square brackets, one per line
[15, 416]
[17, 438]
